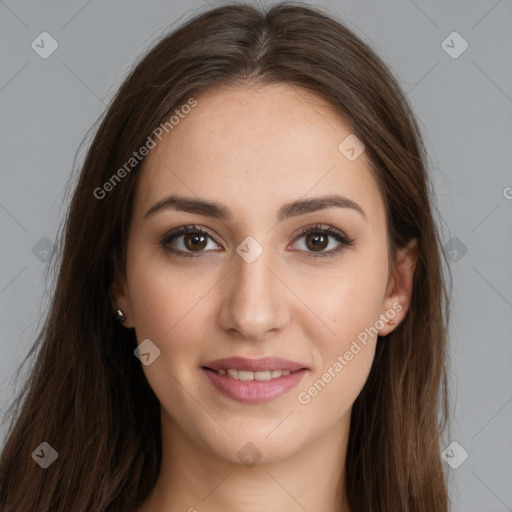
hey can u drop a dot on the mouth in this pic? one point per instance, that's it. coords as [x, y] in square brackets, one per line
[254, 380]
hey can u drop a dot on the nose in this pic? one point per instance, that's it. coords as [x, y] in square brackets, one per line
[255, 299]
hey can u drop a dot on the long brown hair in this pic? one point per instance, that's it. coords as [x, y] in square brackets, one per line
[86, 394]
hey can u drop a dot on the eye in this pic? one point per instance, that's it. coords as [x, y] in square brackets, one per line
[316, 240]
[191, 241]
[187, 240]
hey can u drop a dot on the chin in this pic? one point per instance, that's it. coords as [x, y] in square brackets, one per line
[250, 446]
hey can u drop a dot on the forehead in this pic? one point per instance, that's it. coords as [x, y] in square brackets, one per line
[255, 146]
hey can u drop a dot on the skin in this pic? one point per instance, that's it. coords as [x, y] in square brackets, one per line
[254, 148]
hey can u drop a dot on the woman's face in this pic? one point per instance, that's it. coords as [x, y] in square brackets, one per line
[253, 286]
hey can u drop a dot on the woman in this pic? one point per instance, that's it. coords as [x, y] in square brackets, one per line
[256, 212]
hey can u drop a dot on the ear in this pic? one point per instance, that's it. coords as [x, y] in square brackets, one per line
[121, 299]
[399, 290]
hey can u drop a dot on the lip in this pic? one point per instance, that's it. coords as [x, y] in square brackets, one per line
[254, 391]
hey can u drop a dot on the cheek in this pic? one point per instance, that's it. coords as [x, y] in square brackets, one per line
[165, 296]
[343, 357]
[347, 302]
[330, 393]
[170, 307]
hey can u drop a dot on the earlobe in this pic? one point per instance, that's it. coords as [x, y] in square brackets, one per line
[400, 287]
[120, 300]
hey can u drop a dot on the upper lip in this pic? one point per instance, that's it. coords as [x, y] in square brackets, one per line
[255, 365]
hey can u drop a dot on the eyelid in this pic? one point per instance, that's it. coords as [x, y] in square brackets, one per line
[327, 228]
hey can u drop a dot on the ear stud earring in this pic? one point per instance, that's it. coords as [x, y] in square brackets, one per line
[119, 315]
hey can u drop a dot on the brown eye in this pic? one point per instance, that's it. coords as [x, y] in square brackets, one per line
[317, 241]
[194, 242]
[187, 240]
[319, 238]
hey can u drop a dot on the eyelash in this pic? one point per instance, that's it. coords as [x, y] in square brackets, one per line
[343, 240]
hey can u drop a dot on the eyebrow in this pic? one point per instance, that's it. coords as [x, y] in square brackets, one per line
[222, 212]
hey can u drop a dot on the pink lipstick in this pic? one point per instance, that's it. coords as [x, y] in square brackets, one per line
[254, 380]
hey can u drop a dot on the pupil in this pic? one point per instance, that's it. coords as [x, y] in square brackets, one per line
[193, 237]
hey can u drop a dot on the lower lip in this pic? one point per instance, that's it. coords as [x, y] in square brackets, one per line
[254, 391]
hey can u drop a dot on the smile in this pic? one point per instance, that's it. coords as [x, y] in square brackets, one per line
[253, 380]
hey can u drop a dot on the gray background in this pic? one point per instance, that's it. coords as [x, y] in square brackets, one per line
[464, 105]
